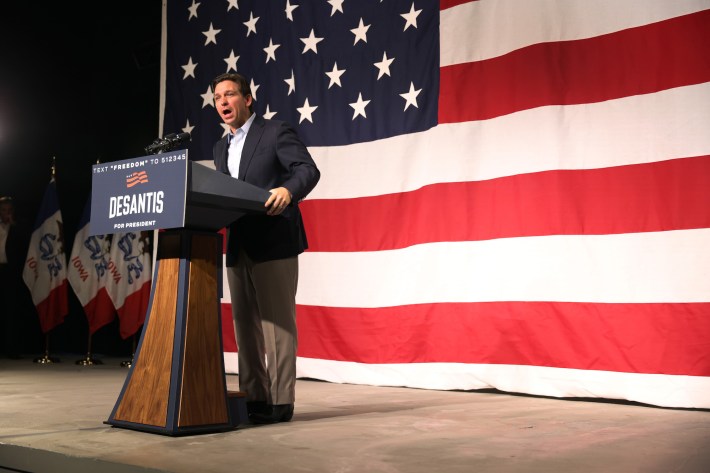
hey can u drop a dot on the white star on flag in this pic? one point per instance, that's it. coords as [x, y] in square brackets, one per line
[207, 97]
[193, 10]
[254, 87]
[188, 128]
[411, 96]
[384, 66]
[335, 76]
[359, 106]
[411, 17]
[306, 111]
[211, 35]
[311, 43]
[268, 114]
[289, 10]
[251, 24]
[291, 83]
[337, 6]
[271, 50]
[360, 32]
[231, 61]
[189, 68]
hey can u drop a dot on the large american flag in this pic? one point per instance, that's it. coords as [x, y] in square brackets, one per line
[514, 194]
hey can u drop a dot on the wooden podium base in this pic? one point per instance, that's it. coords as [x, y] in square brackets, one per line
[176, 384]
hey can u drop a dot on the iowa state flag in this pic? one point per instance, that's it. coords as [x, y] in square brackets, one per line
[88, 271]
[513, 194]
[129, 278]
[45, 272]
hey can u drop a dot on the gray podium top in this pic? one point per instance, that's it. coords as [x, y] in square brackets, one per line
[214, 200]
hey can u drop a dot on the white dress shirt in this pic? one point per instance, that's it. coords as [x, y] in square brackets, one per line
[236, 145]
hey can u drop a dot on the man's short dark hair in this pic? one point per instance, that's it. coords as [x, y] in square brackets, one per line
[239, 79]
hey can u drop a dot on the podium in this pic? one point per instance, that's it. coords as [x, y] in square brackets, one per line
[176, 384]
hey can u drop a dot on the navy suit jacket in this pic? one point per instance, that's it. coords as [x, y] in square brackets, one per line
[273, 156]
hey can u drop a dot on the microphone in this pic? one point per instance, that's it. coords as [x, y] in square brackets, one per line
[167, 143]
[177, 140]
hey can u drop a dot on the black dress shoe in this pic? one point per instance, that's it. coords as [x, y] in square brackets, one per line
[258, 407]
[275, 413]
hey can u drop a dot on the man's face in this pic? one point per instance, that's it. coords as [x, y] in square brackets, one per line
[231, 105]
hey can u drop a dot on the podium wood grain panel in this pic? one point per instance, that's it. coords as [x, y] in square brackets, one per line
[145, 400]
[203, 398]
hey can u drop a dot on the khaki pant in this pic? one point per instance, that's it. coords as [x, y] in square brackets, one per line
[264, 309]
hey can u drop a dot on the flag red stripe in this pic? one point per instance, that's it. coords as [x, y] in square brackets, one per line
[133, 311]
[635, 61]
[444, 4]
[229, 342]
[53, 308]
[638, 338]
[665, 195]
[99, 310]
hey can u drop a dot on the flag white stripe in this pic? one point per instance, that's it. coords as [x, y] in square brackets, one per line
[668, 390]
[671, 266]
[634, 268]
[658, 389]
[631, 130]
[529, 22]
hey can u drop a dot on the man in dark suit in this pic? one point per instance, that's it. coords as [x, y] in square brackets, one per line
[262, 250]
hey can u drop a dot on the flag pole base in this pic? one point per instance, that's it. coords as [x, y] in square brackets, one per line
[129, 363]
[89, 361]
[45, 360]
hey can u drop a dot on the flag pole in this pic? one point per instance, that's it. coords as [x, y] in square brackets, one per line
[129, 363]
[46, 359]
[88, 360]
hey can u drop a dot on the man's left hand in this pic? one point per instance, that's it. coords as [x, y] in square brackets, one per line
[280, 198]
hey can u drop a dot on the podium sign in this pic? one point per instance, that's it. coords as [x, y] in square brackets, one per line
[139, 194]
[166, 191]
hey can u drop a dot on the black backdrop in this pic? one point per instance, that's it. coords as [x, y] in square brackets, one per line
[78, 83]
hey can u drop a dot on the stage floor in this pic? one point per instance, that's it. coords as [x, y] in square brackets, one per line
[52, 420]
